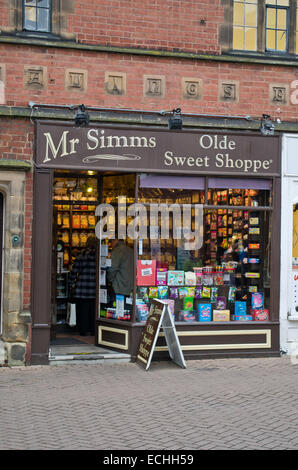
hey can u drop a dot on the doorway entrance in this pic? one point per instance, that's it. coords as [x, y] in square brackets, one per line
[76, 194]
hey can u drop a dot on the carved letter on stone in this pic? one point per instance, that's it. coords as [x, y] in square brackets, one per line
[191, 88]
[279, 95]
[115, 83]
[154, 86]
[228, 91]
[35, 77]
[76, 80]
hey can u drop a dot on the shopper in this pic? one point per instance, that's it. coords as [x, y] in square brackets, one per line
[120, 274]
[83, 281]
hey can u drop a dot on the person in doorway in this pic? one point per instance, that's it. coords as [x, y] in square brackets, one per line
[120, 274]
[83, 275]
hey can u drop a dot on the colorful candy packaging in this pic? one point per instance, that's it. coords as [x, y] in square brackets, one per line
[187, 315]
[190, 278]
[190, 291]
[206, 292]
[214, 291]
[187, 303]
[174, 293]
[257, 300]
[220, 303]
[204, 312]
[162, 292]
[153, 292]
[182, 292]
[144, 293]
[198, 293]
[232, 292]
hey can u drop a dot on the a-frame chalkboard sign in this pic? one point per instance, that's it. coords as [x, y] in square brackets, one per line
[159, 317]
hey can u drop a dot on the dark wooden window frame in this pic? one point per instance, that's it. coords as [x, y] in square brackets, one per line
[55, 21]
[227, 33]
[37, 8]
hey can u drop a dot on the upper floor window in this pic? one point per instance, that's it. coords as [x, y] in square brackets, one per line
[265, 26]
[245, 25]
[37, 15]
[276, 25]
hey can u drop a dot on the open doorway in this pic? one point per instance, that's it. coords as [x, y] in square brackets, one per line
[76, 195]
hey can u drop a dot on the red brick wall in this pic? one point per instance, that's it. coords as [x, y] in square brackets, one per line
[159, 24]
[253, 81]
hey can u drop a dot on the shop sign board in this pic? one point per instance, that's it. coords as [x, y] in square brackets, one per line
[159, 317]
[62, 145]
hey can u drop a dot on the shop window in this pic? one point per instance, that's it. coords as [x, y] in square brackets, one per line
[37, 15]
[245, 25]
[225, 278]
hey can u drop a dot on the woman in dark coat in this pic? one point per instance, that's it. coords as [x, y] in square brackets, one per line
[84, 294]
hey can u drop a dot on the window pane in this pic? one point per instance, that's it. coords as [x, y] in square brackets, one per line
[30, 2]
[43, 19]
[281, 19]
[250, 43]
[239, 14]
[43, 3]
[270, 39]
[30, 18]
[250, 15]
[271, 18]
[238, 38]
[281, 41]
[282, 3]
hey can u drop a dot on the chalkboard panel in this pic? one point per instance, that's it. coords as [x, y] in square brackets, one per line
[159, 316]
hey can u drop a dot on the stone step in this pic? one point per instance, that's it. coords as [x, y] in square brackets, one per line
[94, 358]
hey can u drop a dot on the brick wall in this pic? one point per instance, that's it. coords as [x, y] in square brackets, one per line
[253, 82]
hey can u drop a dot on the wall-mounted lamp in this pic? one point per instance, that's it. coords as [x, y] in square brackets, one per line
[175, 121]
[81, 117]
[267, 126]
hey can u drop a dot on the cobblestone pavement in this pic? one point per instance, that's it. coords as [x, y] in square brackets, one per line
[213, 404]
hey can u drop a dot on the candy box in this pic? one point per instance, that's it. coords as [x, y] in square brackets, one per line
[175, 278]
[241, 317]
[190, 278]
[257, 300]
[161, 276]
[146, 272]
[204, 312]
[221, 315]
[240, 308]
[187, 315]
[260, 314]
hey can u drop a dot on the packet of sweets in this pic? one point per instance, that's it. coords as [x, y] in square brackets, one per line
[188, 303]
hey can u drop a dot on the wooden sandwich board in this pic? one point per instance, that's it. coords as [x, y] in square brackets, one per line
[159, 317]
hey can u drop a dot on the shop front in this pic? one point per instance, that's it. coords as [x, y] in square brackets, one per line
[191, 217]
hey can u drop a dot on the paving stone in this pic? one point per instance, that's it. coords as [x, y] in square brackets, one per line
[213, 404]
